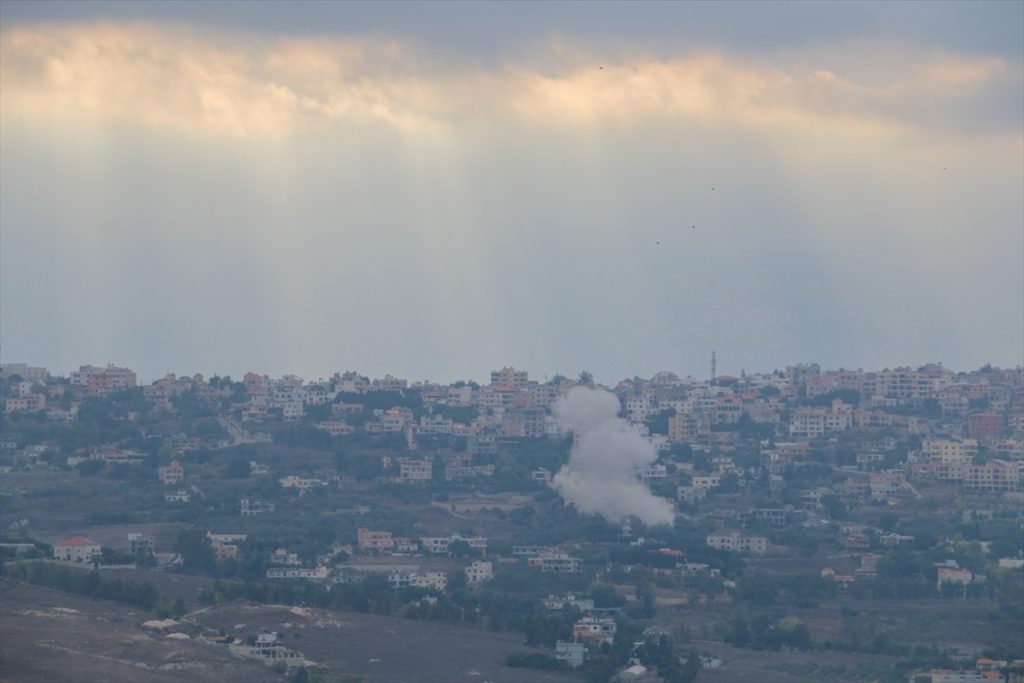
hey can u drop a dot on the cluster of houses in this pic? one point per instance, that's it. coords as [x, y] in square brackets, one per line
[971, 424]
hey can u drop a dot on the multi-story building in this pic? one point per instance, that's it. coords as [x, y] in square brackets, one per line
[985, 426]
[950, 450]
[374, 541]
[954, 575]
[570, 652]
[35, 375]
[179, 496]
[251, 508]
[314, 573]
[595, 629]
[479, 571]
[438, 545]
[100, 381]
[437, 581]
[556, 562]
[281, 556]
[302, 484]
[992, 476]
[77, 549]
[141, 545]
[415, 470]
[171, 474]
[738, 542]
[688, 427]
[510, 378]
[29, 403]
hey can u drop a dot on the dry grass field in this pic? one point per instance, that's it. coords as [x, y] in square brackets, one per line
[47, 636]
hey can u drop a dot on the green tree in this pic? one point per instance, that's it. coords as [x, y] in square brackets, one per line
[196, 552]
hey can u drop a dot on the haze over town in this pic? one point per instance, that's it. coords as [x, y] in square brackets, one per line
[437, 189]
[533, 342]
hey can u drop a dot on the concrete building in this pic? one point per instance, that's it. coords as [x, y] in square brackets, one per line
[570, 652]
[415, 470]
[171, 474]
[77, 549]
[595, 629]
[738, 542]
[479, 572]
[368, 541]
[35, 375]
[556, 562]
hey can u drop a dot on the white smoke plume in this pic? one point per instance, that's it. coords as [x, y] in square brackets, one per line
[601, 475]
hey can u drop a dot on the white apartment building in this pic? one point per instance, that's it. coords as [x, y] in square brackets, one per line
[479, 571]
[415, 470]
[738, 542]
[77, 549]
[438, 545]
[556, 562]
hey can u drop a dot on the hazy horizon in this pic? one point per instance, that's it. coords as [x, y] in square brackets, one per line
[439, 190]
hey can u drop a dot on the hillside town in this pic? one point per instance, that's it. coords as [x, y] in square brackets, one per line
[811, 510]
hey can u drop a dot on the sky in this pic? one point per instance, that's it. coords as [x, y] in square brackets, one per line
[437, 190]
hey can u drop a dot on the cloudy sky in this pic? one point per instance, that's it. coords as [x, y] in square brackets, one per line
[437, 190]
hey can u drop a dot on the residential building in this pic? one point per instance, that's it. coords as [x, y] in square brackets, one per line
[141, 545]
[437, 581]
[555, 602]
[595, 629]
[438, 545]
[571, 653]
[368, 541]
[954, 575]
[77, 549]
[283, 557]
[35, 375]
[179, 496]
[171, 474]
[736, 541]
[251, 507]
[556, 562]
[29, 403]
[315, 573]
[479, 571]
[510, 378]
[302, 484]
[415, 470]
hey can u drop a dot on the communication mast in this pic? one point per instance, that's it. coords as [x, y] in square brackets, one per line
[713, 363]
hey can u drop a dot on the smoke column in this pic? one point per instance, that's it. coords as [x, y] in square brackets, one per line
[601, 475]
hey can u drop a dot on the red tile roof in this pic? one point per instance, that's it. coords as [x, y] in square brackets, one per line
[77, 540]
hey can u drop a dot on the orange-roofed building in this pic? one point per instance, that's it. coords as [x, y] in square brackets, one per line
[77, 549]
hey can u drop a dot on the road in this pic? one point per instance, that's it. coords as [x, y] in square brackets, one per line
[238, 435]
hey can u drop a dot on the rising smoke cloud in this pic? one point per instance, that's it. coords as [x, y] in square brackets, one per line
[601, 475]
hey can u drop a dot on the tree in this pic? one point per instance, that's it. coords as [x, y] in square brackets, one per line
[238, 467]
[658, 424]
[739, 632]
[586, 378]
[195, 550]
[692, 666]
[833, 506]
[461, 548]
